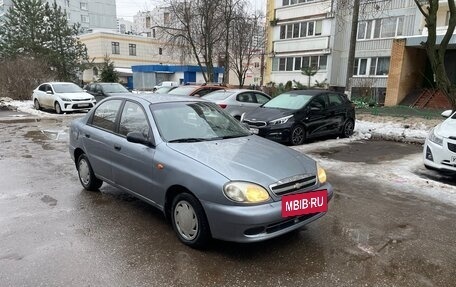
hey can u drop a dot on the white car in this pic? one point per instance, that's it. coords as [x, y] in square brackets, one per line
[62, 97]
[439, 150]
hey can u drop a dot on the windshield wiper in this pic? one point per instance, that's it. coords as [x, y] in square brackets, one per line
[193, 140]
[233, 136]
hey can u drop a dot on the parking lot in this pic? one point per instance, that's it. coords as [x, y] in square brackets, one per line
[376, 233]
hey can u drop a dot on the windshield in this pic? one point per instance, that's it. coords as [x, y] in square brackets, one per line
[219, 95]
[194, 122]
[182, 91]
[114, 88]
[67, 88]
[288, 101]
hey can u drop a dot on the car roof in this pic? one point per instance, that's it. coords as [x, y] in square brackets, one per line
[159, 98]
[308, 92]
[53, 83]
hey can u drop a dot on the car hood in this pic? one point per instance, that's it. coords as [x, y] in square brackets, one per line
[267, 114]
[250, 158]
[447, 128]
[75, 96]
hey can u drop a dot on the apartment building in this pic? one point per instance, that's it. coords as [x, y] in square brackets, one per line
[298, 36]
[148, 23]
[100, 14]
[303, 33]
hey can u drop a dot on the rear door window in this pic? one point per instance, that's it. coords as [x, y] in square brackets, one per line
[335, 100]
[261, 99]
[105, 115]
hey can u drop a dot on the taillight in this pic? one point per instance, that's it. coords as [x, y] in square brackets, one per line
[222, 106]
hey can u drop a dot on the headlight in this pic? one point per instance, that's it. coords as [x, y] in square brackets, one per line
[65, 99]
[433, 137]
[245, 192]
[321, 173]
[280, 121]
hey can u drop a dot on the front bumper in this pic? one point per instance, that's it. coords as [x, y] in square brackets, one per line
[278, 133]
[76, 105]
[440, 157]
[255, 223]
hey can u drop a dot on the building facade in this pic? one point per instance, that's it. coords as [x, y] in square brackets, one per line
[100, 14]
[127, 51]
[316, 33]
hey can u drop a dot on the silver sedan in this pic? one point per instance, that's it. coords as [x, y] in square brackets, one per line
[238, 101]
[199, 166]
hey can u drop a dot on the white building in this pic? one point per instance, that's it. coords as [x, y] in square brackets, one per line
[125, 26]
[100, 14]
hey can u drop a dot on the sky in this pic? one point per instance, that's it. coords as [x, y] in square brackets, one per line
[128, 8]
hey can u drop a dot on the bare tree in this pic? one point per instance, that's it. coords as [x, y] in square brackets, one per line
[19, 76]
[436, 51]
[246, 41]
[199, 26]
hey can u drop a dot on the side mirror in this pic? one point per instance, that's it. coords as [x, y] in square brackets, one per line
[139, 138]
[49, 92]
[447, 113]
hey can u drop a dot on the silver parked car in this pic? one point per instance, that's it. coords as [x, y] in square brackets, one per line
[236, 102]
[199, 166]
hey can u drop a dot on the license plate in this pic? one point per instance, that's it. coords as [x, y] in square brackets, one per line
[254, 130]
[305, 203]
[83, 105]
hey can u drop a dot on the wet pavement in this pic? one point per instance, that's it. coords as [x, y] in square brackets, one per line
[54, 233]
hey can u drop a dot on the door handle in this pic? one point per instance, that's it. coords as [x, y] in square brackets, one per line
[87, 135]
[117, 147]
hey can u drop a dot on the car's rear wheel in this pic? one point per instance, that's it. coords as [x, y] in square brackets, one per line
[297, 135]
[37, 105]
[58, 108]
[86, 176]
[189, 221]
[348, 128]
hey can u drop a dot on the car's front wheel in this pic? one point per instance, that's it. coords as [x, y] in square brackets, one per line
[58, 108]
[37, 105]
[297, 135]
[189, 221]
[348, 128]
[86, 175]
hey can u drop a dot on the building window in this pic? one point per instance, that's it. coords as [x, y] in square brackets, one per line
[148, 22]
[301, 29]
[160, 51]
[256, 65]
[153, 33]
[381, 28]
[115, 47]
[132, 49]
[166, 18]
[447, 19]
[378, 66]
[293, 2]
[297, 63]
[84, 18]
[84, 6]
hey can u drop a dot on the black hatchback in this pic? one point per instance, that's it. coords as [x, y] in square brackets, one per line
[295, 116]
